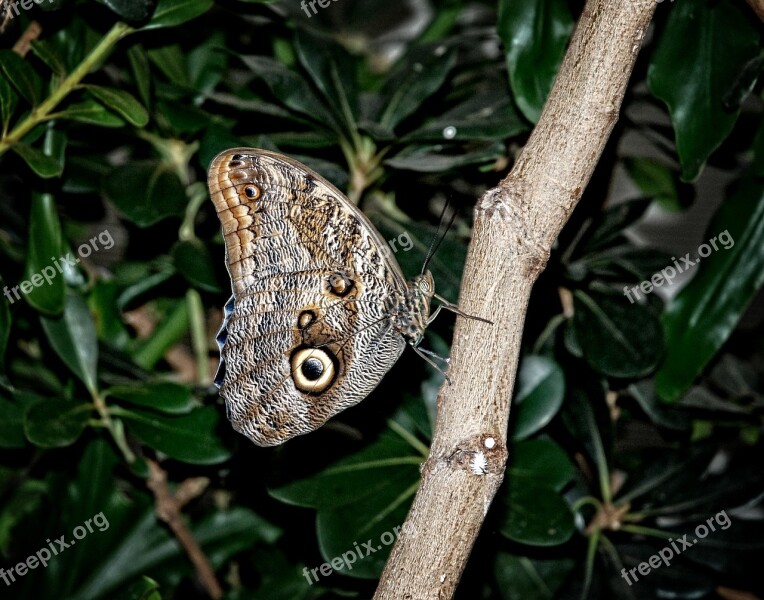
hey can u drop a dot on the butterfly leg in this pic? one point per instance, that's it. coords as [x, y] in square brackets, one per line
[424, 354]
[454, 309]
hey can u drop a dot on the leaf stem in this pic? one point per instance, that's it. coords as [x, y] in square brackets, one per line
[41, 112]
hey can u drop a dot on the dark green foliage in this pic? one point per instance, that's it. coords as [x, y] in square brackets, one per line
[632, 423]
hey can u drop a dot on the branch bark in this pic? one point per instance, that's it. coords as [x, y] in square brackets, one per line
[516, 224]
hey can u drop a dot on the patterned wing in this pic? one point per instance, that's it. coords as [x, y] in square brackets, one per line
[308, 330]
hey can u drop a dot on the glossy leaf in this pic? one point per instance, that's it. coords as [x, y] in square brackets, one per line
[92, 113]
[192, 438]
[540, 460]
[5, 330]
[520, 576]
[539, 395]
[8, 102]
[360, 498]
[162, 396]
[703, 315]
[430, 159]
[132, 11]
[192, 260]
[73, 337]
[291, 89]
[139, 63]
[332, 71]
[656, 181]
[694, 66]
[145, 589]
[44, 286]
[420, 77]
[170, 13]
[617, 338]
[43, 165]
[145, 192]
[535, 514]
[50, 55]
[121, 103]
[535, 35]
[53, 423]
[485, 117]
[11, 424]
[22, 76]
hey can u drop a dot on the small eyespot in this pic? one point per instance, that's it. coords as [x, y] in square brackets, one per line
[252, 192]
[339, 284]
[237, 157]
[306, 318]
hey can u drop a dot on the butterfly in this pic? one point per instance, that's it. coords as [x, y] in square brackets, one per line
[320, 309]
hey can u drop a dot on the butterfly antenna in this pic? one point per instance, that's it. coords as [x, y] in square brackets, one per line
[438, 239]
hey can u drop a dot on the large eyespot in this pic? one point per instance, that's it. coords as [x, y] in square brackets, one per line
[252, 192]
[313, 370]
[339, 284]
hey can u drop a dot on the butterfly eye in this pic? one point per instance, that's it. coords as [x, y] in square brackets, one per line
[424, 286]
[252, 191]
[313, 370]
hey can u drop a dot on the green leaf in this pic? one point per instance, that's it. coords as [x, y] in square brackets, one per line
[139, 63]
[540, 391]
[541, 460]
[73, 337]
[44, 285]
[45, 166]
[617, 338]
[145, 192]
[50, 55]
[192, 260]
[144, 547]
[700, 319]
[431, 159]
[535, 34]
[11, 424]
[656, 181]
[423, 74]
[162, 396]
[535, 514]
[5, 329]
[333, 72]
[359, 498]
[490, 116]
[170, 13]
[192, 438]
[523, 577]
[291, 89]
[132, 11]
[145, 589]
[695, 64]
[22, 76]
[121, 103]
[91, 112]
[56, 423]
[8, 101]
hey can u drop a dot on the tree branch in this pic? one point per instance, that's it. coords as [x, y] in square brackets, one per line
[515, 226]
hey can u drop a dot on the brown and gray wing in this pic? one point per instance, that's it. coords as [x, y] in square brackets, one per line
[307, 331]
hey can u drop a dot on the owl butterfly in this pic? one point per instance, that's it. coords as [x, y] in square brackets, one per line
[320, 309]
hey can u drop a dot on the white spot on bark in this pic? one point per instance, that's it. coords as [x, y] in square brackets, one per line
[479, 463]
[489, 442]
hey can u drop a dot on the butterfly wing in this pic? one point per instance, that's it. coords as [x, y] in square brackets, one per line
[308, 331]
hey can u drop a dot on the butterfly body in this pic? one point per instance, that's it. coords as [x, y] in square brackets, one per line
[320, 310]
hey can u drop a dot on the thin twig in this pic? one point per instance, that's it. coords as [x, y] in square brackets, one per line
[24, 43]
[168, 508]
